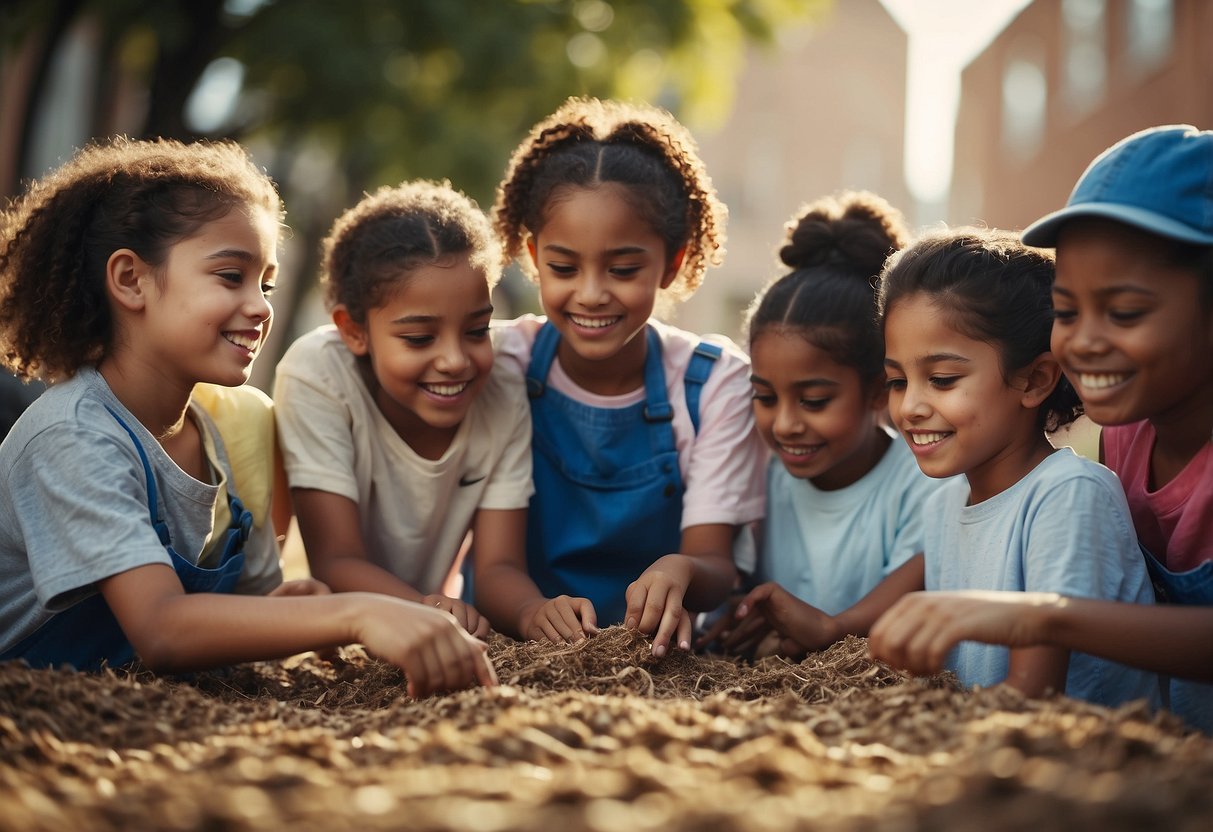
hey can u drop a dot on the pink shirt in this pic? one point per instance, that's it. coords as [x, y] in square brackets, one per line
[1175, 522]
[723, 465]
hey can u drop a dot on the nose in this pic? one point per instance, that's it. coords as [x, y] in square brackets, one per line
[258, 306]
[1085, 337]
[910, 404]
[788, 421]
[591, 288]
[452, 358]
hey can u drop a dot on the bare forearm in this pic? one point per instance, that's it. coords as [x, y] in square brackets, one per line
[190, 632]
[356, 574]
[1175, 640]
[507, 595]
[710, 580]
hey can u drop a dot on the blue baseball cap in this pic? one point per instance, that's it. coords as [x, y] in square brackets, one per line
[1159, 180]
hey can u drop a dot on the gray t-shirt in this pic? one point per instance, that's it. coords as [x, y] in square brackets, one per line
[1063, 528]
[76, 505]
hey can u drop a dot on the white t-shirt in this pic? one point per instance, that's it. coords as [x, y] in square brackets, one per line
[414, 512]
[830, 548]
[1063, 528]
[722, 465]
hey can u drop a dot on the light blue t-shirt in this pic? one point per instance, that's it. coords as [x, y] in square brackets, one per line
[830, 548]
[1063, 528]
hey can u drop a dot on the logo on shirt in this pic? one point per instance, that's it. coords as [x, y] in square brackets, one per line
[465, 480]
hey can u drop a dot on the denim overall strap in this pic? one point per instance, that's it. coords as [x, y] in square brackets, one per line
[698, 370]
[87, 635]
[1193, 701]
[608, 489]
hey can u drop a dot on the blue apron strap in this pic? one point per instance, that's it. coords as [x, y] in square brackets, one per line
[698, 370]
[543, 353]
[153, 502]
[657, 403]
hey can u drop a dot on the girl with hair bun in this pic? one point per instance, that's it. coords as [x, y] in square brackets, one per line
[843, 497]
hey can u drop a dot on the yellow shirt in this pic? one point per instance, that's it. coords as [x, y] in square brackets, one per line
[245, 419]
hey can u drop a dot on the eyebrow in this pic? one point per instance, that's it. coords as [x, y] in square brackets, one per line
[613, 252]
[232, 254]
[933, 358]
[808, 382]
[1107, 291]
[425, 319]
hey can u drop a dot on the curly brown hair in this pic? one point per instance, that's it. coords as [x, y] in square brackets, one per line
[587, 142]
[374, 245]
[121, 193]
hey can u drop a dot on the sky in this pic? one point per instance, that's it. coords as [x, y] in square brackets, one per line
[944, 35]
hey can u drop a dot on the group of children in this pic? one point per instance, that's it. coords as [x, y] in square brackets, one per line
[886, 433]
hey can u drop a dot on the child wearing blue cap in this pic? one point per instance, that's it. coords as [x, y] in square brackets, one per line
[1133, 331]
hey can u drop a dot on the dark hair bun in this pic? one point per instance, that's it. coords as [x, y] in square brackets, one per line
[854, 232]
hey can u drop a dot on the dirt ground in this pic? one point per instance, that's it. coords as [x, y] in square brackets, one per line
[596, 737]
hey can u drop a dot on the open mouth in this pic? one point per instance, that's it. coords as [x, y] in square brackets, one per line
[925, 438]
[446, 390]
[595, 323]
[799, 450]
[244, 340]
[1101, 381]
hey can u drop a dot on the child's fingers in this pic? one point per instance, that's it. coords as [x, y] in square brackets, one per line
[589, 618]
[567, 623]
[483, 628]
[685, 628]
[637, 596]
[758, 595]
[667, 625]
[486, 676]
[746, 632]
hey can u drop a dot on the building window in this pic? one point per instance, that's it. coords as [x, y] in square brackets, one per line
[1085, 62]
[1025, 98]
[1151, 28]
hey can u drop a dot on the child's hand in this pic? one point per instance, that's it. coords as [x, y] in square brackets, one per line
[770, 607]
[921, 628]
[465, 614]
[560, 619]
[721, 627]
[655, 604]
[429, 645]
[302, 586]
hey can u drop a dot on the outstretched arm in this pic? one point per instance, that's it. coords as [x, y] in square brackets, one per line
[172, 631]
[919, 630]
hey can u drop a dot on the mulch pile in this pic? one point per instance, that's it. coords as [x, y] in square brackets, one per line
[597, 736]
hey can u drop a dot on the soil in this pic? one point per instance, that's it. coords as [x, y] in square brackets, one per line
[600, 736]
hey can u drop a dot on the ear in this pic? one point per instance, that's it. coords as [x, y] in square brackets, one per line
[530, 247]
[671, 271]
[124, 273]
[1038, 379]
[354, 334]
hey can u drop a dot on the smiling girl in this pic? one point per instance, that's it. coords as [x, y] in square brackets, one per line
[645, 457]
[397, 434]
[974, 389]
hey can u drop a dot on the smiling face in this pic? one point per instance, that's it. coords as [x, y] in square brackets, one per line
[207, 309]
[428, 350]
[815, 414]
[949, 398]
[600, 269]
[1133, 333]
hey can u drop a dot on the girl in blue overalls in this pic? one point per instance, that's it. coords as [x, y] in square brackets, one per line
[129, 275]
[645, 459]
[1133, 331]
